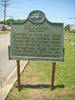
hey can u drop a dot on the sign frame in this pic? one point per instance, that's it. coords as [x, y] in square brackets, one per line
[11, 57]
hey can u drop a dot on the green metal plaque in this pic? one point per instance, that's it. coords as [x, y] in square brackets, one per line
[37, 39]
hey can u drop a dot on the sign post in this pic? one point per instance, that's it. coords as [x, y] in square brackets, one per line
[18, 73]
[37, 39]
[53, 75]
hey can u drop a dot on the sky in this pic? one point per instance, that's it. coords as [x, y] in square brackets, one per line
[55, 10]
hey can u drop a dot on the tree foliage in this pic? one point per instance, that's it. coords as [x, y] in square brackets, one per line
[67, 28]
[12, 21]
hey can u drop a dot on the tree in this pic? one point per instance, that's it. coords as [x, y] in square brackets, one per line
[13, 21]
[9, 21]
[67, 28]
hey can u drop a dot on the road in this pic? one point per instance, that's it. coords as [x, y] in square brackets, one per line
[6, 65]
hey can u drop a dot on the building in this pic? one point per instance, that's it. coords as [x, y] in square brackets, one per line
[1, 25]
[72, 28]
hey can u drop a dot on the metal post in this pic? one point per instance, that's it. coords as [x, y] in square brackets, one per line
[53, 75]
[18, 73]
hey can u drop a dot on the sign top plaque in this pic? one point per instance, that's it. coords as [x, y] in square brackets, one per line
[37, 17]
[37, 39]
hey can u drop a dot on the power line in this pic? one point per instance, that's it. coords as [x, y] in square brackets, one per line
[71, 18]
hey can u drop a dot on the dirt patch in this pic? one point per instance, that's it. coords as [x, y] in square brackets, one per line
[69, 90]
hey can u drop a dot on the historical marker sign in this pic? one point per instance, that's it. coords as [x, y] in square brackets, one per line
[37, 39]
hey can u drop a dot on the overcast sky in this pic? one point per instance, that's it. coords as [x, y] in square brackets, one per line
[55, 10]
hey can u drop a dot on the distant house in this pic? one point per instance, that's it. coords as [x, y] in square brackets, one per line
[72, 28]
[1, 25]
[9, 28]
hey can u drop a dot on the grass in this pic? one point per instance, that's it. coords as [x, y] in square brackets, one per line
[71, 36]
[1, 32]
[37, 75]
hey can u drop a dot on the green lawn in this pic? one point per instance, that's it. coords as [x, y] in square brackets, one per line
[37, 75]
[71, 36]
[1, 32]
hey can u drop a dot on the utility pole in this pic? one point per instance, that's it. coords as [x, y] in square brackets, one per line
[5, 3]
